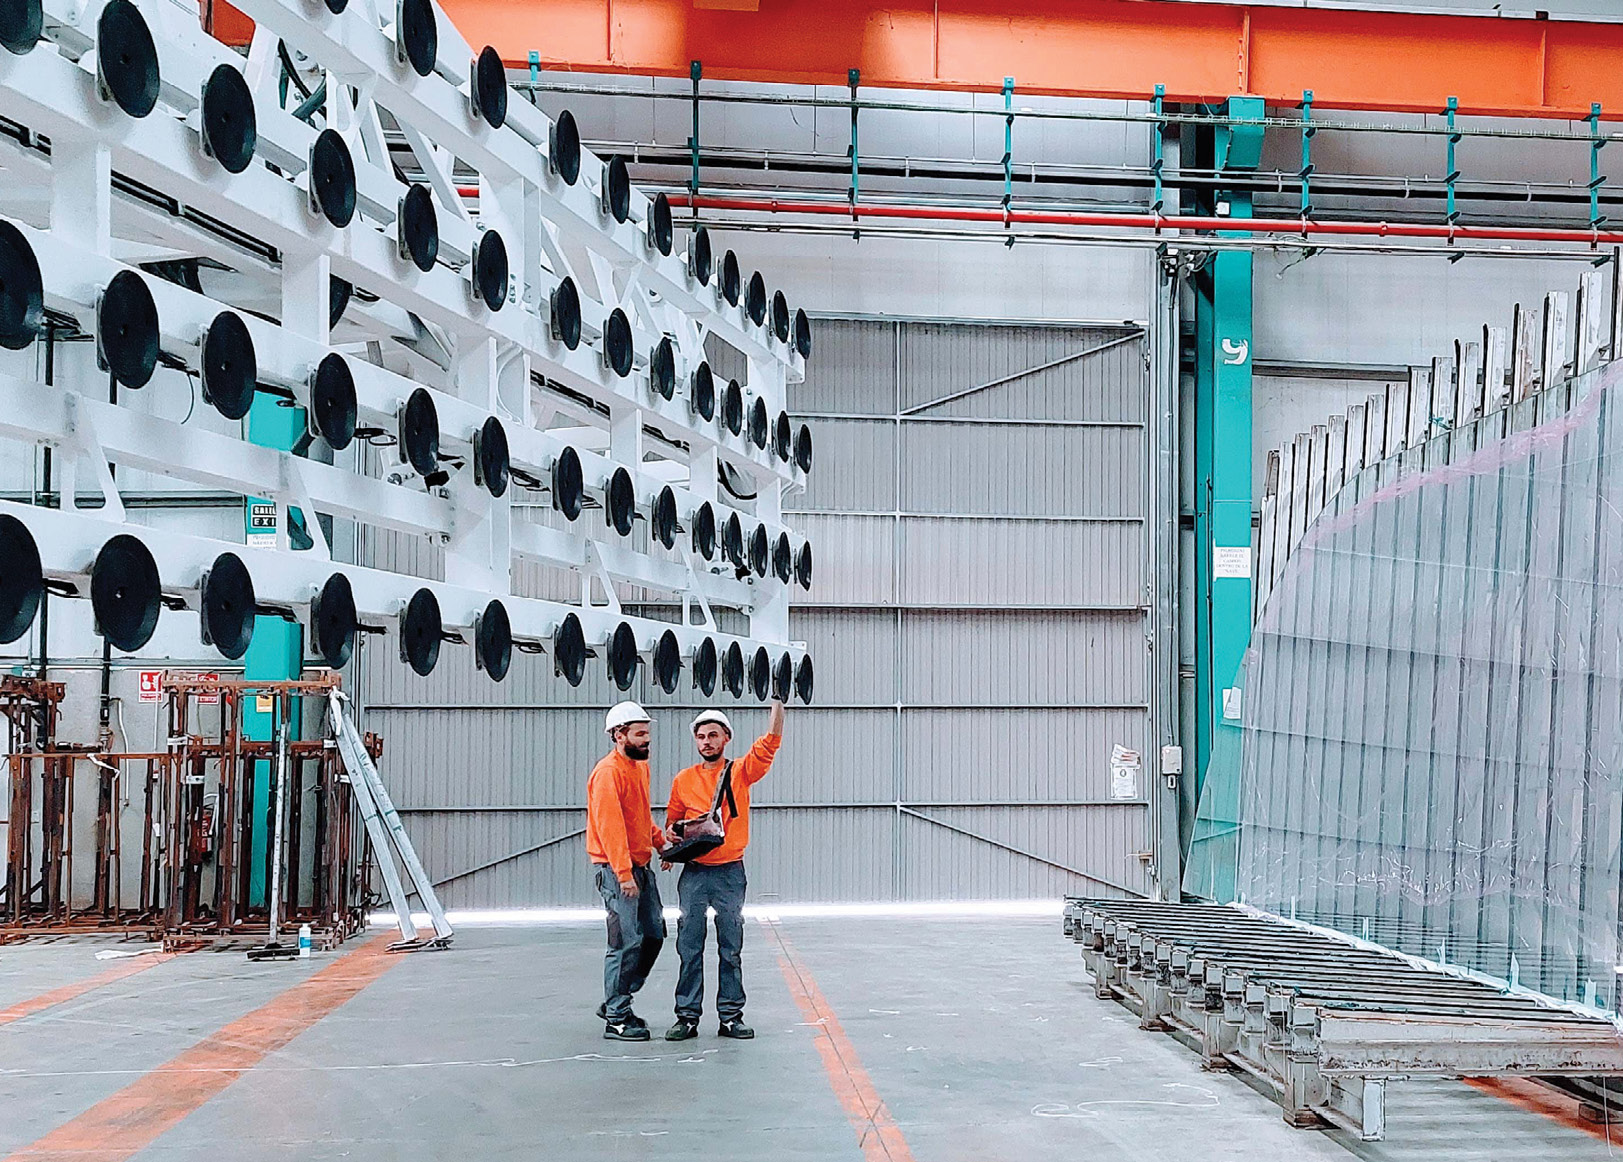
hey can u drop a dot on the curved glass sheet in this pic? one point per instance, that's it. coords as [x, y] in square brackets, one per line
[1433, 706]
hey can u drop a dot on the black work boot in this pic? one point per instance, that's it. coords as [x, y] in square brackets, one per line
[683, 1030]
[735, 1029]
[632, 1028]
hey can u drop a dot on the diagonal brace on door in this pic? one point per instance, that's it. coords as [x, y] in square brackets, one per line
[1000, 845]
[1108, 345]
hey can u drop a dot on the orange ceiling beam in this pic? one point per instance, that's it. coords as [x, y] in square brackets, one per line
[1084, 48]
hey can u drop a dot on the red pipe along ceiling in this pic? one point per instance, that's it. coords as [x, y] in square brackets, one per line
[1300, 227]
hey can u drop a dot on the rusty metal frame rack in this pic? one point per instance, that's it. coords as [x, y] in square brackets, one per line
[326, 886]
[39, 878]
[1319, 1021]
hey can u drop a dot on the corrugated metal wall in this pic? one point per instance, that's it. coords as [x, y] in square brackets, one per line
[977, 620]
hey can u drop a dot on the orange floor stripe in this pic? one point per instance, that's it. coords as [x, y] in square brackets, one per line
[1541, 1099]
[134, 1117]
[877, 1132]
[68, 992]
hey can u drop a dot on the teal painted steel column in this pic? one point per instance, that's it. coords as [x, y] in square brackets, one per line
[1223, 504]
[276, 652]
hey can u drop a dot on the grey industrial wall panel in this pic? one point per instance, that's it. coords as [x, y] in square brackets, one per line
[1022, 562]
[975, 666]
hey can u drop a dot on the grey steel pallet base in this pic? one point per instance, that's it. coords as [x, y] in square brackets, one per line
[1320, 1021]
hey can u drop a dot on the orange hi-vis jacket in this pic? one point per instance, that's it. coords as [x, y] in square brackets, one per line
[620, 827]
[694, 789]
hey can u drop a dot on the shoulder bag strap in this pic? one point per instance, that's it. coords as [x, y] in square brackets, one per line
[724, 790]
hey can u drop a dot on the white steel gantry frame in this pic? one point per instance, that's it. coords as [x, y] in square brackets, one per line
[425, 330]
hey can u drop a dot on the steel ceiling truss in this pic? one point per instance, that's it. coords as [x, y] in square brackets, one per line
[1319, 1020]
[556, 318]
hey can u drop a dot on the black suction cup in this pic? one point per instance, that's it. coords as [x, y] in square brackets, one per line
[621, 498]
[229, 367]
[802, 334]
[616, 189]
[662, 369]
[731, 281]
[333, 622]
[420, 629]
[760, 550]
[623, 656]
[704, 667]
[662, 518]
[229, 128]
[783, 676]
[702, 392]
[21, 22]
[564, 154]
[332, 401]
[22, 290]
[569, 650]
[761, 673]
[660, 229]
[416, 35]
[783, 559]
[126, 59]
[732, 671]
[22, 582]
[803, 566]
[755, 299]
[701, 260]
[488, 87]
[493, 641]
[566, 313]
[227, 599]
[783, 437]
[760, 426]
[732, 540]
[127, 329]
[803, 448]
[338, 292]
[568, 484]
[780, 316]
[732, 407]
[667, 662]
[803, 680]
[704, 531]
[491, 462]
[490, 270]
[617, 351]
[417, 228]
[332, 179]
[125, 593]
[419, 435]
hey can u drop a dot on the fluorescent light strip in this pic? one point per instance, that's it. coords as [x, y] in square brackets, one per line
[952, 909]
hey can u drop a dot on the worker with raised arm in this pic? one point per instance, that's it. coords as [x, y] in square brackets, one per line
[621, 838]
[715, 880]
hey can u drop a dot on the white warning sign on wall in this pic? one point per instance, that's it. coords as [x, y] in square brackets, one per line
[1231, 562]
[1124, 767]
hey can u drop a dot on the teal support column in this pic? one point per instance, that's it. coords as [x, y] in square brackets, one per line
[276, 652]
[1222, 516]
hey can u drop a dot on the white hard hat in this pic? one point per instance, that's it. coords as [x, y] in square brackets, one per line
[715, 716]
[624, 714]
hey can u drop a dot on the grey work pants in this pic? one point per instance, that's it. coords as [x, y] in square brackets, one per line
[720, 887]
[636, 934]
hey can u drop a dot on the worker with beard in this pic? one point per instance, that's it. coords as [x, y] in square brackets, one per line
[715, 880]
[621, 838]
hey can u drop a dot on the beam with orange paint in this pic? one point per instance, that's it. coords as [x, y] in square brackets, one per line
[1118, 49]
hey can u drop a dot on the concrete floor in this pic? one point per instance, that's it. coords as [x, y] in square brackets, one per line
[980, 1036]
